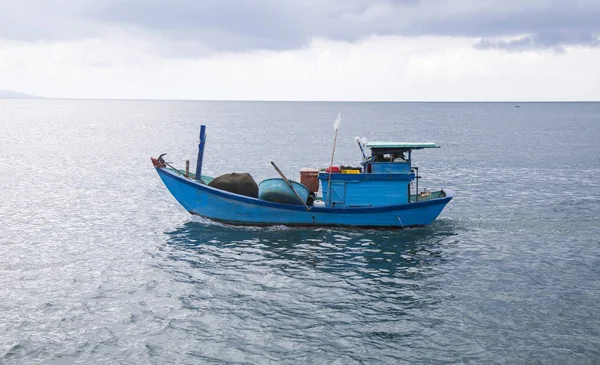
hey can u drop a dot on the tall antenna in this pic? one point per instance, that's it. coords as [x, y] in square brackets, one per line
[336, 126]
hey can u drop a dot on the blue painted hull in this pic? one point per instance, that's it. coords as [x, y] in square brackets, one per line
[231, 208]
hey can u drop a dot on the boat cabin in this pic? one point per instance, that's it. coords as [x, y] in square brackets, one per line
[384, 179]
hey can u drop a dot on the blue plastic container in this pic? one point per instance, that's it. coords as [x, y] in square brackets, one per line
[278, 191]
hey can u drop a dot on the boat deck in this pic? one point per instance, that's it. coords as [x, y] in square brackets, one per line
[428, 195]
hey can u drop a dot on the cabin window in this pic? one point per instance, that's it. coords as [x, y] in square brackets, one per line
[390, 157]
[399, 157]
[380, 158]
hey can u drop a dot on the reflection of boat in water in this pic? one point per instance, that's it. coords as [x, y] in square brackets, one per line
[383, 192]
[365, 251]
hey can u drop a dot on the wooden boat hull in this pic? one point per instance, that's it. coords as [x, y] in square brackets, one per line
[230, 208]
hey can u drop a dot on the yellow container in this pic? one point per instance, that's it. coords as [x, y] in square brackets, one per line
[350, 171]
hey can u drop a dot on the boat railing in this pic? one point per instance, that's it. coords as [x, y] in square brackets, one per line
[427, 195]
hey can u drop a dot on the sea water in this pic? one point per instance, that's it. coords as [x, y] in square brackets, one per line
[100, 265]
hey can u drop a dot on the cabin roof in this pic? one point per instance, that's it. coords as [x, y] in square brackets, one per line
[406, 145]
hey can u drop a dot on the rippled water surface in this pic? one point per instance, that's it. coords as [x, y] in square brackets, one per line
[100, 265]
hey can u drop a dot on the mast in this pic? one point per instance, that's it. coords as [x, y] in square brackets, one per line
[200, 153]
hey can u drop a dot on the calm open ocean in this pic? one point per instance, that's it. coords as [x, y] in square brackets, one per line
[100, 265]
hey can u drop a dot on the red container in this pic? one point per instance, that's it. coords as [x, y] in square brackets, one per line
[310, 179]
[334, 169]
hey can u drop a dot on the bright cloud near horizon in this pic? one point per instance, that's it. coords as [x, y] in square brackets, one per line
[380, 50]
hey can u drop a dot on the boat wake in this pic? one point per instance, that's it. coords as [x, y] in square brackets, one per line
[209, 222]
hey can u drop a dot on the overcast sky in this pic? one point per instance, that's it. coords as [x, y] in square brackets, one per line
[302, 49]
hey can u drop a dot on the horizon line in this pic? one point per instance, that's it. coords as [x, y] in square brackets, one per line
[308, 101]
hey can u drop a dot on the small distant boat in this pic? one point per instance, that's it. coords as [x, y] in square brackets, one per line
[382, 192]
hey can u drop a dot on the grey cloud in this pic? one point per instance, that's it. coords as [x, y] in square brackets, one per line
[239, 25]
[555, 41]
[34, 20]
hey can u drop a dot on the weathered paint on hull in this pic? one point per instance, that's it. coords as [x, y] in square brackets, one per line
[236, 209]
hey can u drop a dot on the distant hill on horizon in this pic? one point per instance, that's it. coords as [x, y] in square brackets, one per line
[15, 95]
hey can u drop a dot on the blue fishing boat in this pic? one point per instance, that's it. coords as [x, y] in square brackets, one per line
[382, 192]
